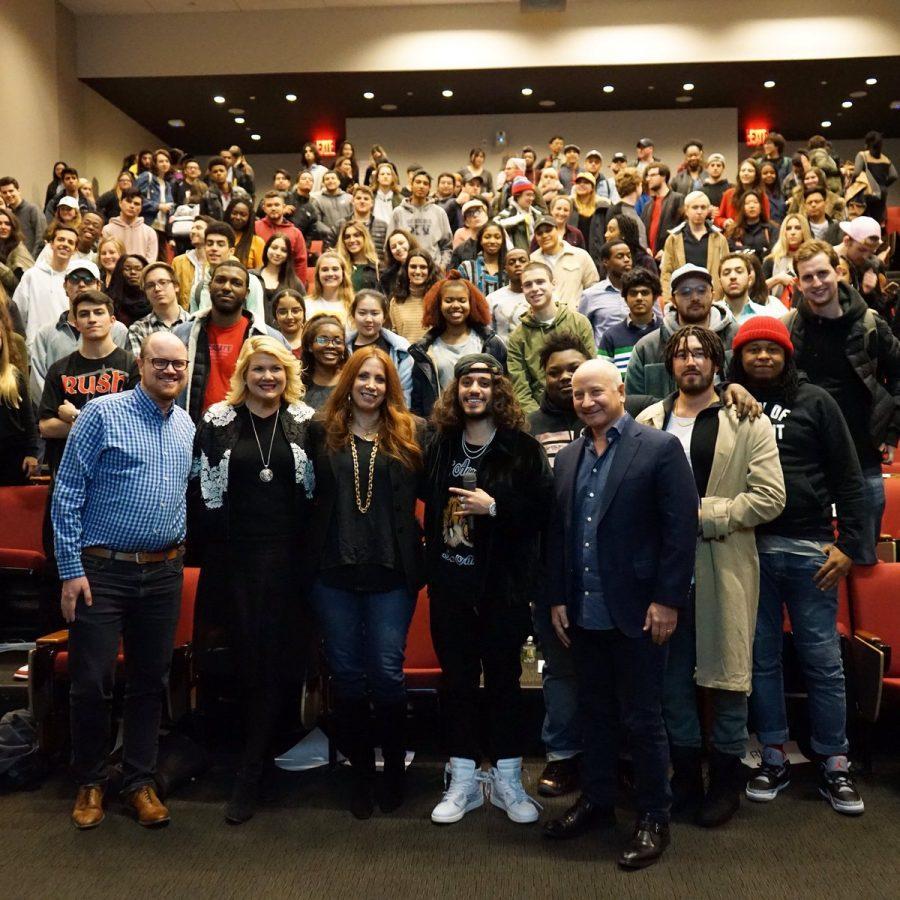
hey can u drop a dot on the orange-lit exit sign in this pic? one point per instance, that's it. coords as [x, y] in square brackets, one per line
[325, 146]
[756, 136]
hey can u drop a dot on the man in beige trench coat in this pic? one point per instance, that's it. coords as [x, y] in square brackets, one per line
[740, 484]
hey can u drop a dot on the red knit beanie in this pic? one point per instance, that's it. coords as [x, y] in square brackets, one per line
[763, 328]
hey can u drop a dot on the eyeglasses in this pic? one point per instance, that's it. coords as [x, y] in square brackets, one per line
[153, 285]
[288, 313]
[322, 341]
[684, 355]
[80, 278]
[160, 364]
[700, 291]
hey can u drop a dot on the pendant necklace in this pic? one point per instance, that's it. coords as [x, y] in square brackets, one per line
[265, 473]
[471, 455]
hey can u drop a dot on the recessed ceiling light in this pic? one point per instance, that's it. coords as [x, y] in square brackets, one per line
[847, 104]
[368, 95]
[858, 95]
[688, 86]
[446, 92]
[871, 81]
[239, 120]
[218, 99]
[236, 111]
[825, 123]
[388, 107]
[546, 103]
[895, 104]
[291, 98]
[255, 137]
[527, 92]
[823, 82]
[769, 84]
[684, 98]
[176, 123]
[608, 88]
[651, 87]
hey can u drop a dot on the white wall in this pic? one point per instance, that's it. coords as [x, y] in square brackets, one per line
[405, 37]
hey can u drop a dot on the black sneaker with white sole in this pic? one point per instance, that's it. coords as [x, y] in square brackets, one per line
[838, 789]
[770, 779]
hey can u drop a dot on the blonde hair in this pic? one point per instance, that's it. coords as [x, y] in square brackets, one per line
[294, 389]
[368, 245]
[9, 385]
[345, 291]
[780, 249]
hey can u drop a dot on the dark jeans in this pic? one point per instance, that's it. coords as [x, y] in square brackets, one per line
[875, 502]
[620, 684]
[469, 642]
[786, 579]
[140, 604]
[365, 640]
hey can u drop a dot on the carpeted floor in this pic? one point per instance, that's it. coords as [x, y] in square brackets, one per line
[302, 843]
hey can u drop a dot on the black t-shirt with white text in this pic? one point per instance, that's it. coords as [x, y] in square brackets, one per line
[459, 556]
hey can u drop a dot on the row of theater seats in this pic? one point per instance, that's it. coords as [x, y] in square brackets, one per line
[869, 617]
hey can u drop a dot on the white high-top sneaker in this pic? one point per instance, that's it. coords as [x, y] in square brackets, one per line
[507, 792]
[464, 793]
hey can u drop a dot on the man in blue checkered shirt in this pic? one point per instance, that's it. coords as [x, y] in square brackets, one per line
[119, 515]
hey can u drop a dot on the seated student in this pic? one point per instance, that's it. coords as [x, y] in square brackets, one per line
[602, 304]
[96, 368]
[289, 311]
[368, 313]
[538, 324]
[18, 432]
[458, 319]
[802, 562]
[642, 291]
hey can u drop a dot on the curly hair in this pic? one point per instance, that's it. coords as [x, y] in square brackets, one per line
[710, 343]
[397, 428]
[448, 415]
[788, 382]
[479, 311]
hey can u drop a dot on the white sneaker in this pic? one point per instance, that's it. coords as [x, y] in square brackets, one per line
[463, 794]
[508, 794]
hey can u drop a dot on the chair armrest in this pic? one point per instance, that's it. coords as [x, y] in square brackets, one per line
[56, 639]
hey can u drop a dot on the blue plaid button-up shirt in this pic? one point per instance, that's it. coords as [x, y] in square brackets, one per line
[123, 479]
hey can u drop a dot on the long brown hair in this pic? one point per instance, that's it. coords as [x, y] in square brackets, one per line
[397, 431]
[447, 414]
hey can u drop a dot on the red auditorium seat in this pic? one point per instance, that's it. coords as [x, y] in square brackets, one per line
[49, 673]
[844, 619]
[422, 669]
[875, 599]
[890, 521]
[21, 525]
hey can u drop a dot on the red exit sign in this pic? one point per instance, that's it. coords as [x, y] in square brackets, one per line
[756, 135]
[325, 146]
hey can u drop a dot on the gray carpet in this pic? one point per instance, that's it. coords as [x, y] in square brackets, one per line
[302, 843]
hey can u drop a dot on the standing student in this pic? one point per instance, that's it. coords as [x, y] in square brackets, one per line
[332, 289]
[18, 430]
[323, 356]
[417, 276]
[508, 302]
[365, 549]
[642, 290]
[289, 312]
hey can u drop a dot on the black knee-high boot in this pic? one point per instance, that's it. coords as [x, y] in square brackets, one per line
[354, 740]
[391, 719]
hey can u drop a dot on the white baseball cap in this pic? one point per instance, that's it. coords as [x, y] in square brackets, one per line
[861, 228]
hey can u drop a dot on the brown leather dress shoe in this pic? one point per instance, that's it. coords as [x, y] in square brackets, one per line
[88, 811]
[149, 809]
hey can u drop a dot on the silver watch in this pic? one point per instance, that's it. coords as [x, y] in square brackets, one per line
[492, 509]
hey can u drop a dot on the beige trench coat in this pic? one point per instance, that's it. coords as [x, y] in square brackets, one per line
[746, 489]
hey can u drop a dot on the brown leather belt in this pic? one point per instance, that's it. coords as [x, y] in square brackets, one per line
[139, 558]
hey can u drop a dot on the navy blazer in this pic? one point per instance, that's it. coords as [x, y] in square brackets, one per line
[646, 530]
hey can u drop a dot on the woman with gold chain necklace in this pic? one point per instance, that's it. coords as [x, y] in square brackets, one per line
[365, 545]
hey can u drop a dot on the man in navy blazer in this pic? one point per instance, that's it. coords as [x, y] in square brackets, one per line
[621, 553]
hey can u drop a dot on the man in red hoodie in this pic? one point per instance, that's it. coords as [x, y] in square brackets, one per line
[274, 222]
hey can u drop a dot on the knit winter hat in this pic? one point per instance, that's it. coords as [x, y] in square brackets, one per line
[521, 184]
[763, 328]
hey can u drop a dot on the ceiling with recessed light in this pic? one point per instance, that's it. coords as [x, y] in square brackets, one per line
[793, 97]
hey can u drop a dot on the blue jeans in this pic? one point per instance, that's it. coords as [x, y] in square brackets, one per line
[140, 605]
[365, 639]
[787, 579]
[729, 722]
[873, 514]
[561, 732]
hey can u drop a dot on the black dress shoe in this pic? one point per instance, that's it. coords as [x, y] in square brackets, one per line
[582, 817]
[646, 845]
[560, 776]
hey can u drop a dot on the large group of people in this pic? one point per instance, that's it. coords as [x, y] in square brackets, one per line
[626, 404]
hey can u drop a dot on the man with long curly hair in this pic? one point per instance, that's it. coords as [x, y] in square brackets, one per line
[487, 487]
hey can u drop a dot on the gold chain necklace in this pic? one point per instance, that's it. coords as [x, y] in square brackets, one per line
[359, 504]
